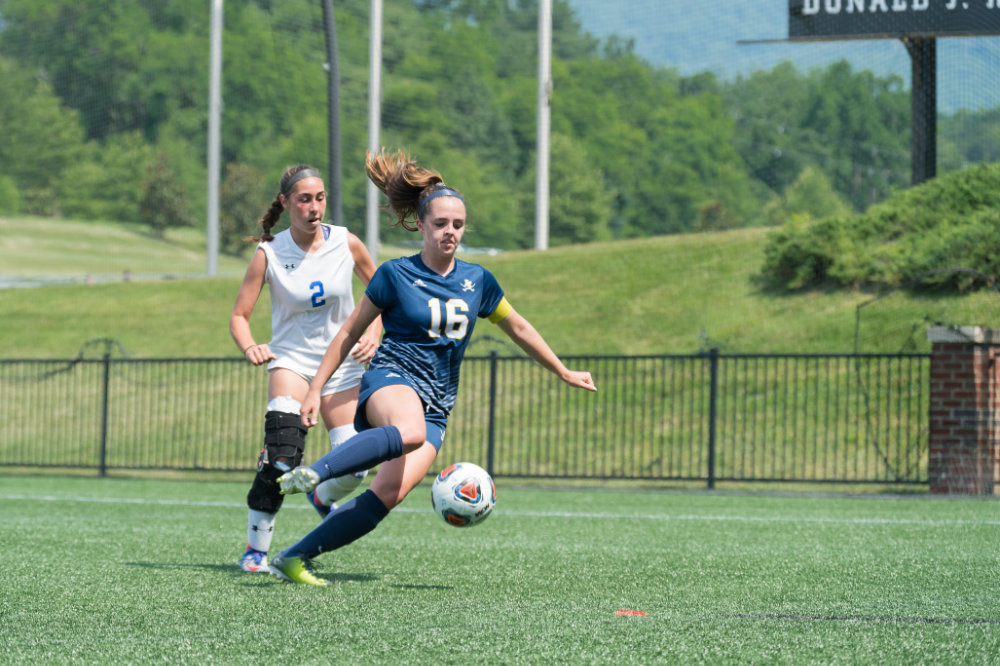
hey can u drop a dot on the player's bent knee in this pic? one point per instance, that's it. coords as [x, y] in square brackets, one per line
[413, 436]
[395, 481]
[284, 447]
[391, 497]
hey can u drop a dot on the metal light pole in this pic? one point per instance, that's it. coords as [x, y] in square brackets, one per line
[374, 122]
[214, 113]
[333, 113]
[544, 99]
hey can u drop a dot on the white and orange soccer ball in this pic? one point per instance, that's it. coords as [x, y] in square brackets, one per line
[463, 494]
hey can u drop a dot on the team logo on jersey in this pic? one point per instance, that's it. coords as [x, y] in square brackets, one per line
[419, 283]
[468, 286]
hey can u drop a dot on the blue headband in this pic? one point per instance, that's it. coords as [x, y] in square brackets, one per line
[297, 176]
[440, 190]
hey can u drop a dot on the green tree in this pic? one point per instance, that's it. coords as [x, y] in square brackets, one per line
[968, 137]
[861, 124]
[123, 64]
[765, 107]
[107, 185]
[42, 139]
[118, 82]
[242, 201]
[579, 199]
[811, 195]
[10, 197]
[163, 204]
[666, 157]
[852, 125]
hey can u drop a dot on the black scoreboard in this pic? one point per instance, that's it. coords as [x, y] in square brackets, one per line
[874, 19]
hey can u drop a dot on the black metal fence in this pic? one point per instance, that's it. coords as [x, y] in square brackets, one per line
[853, 418]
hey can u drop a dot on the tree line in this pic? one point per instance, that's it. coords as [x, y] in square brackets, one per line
[105, 118]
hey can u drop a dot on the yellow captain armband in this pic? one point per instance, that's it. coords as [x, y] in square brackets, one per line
[503, 309]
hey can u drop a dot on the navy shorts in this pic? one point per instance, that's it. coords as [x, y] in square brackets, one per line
[377, 378]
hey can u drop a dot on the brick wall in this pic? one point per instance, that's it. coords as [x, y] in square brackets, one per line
[964, 411]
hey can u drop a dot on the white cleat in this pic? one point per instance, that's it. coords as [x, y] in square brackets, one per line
[254, 561]
[299, 480]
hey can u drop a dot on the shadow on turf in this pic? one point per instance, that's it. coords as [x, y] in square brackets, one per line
[235, 570]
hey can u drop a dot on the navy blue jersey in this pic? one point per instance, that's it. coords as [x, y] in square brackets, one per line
[428, 320]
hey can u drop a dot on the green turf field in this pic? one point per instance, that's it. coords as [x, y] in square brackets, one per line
[143, 571]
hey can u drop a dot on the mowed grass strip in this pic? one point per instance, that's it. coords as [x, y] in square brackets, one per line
[126, 570]
[663, 295]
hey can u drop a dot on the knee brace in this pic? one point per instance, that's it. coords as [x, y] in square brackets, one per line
[284, 446]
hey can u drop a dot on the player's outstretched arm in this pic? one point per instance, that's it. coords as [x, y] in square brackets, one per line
[246, 299]
[339, 348]
[364, 268]
[527, 338]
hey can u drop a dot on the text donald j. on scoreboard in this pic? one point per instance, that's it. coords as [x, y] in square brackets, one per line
[892, 18]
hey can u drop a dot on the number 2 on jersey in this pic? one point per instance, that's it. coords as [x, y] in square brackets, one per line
[317, 294]
[456, 323]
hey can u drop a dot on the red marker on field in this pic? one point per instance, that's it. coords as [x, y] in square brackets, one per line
[629, 612]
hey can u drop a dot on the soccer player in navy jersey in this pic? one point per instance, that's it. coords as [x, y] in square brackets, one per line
[429, 304]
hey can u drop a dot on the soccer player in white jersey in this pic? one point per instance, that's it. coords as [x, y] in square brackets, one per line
[429, 304]
[308, 269]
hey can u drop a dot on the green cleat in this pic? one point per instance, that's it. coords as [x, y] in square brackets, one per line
[295, 570]
[299, 480]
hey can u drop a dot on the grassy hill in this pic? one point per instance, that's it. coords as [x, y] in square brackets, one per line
[665, 295]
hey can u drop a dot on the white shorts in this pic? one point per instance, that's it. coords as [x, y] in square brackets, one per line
[347, 376]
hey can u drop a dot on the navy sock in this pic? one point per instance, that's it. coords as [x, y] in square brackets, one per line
[363, 451]
[349, 522]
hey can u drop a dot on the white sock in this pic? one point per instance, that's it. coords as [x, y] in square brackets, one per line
[260, 529]
[334, 490]
[341, 434]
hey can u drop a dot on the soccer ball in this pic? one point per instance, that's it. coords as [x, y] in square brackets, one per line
[463, 494]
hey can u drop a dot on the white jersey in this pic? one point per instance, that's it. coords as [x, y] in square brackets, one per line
[311, 298]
